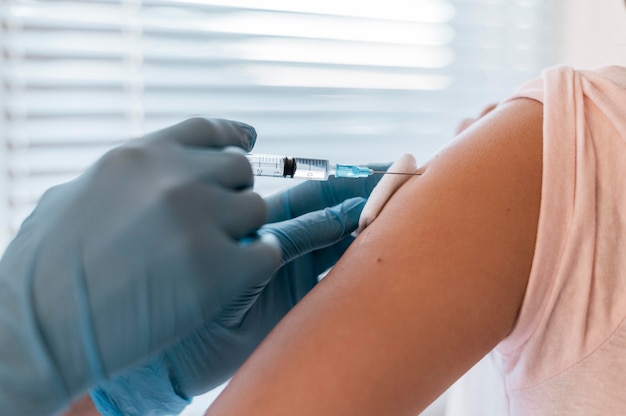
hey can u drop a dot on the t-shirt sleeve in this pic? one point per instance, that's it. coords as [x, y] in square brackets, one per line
[571, 304]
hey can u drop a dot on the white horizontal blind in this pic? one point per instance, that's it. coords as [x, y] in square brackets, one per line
[351, 81]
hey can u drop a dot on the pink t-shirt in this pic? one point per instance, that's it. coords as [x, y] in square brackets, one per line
[567, 352]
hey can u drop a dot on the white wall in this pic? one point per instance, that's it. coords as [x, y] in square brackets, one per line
[595, 34]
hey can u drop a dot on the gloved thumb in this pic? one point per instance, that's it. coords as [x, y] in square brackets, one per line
[315, 230]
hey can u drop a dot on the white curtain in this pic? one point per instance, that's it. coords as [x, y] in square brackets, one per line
[351, 81]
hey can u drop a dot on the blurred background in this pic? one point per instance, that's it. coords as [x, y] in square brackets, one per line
[350, 81]
[353, 81]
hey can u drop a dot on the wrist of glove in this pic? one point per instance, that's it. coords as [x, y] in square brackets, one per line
[147, 390]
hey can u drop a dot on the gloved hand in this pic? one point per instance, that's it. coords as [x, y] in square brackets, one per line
[312, 241]
[138, 251]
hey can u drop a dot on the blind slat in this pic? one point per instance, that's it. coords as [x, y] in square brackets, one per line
[348, 81]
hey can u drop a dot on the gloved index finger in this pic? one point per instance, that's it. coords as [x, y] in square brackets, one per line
[317, 229]
[208, 132]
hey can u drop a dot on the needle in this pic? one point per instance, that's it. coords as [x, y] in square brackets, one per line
[382, 172]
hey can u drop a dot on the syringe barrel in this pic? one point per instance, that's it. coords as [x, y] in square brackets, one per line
[312, 169]
[289, 167]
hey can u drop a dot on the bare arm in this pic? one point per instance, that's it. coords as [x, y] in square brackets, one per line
[427, 290]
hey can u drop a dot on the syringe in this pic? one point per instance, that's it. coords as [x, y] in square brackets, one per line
[307, 168]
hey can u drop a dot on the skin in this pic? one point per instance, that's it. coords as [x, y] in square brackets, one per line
[424, 292]
[82, 407]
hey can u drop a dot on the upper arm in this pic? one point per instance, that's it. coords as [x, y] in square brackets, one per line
[424, 292]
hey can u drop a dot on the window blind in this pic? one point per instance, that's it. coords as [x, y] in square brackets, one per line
[351, 81]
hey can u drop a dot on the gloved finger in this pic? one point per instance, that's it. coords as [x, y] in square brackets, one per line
[257, 260]
[296, 278]
[249, 263]
[288, 286]
[208, 132]
[228, 169]
[314, 195]
[201, 213]
[241, 213]
[315, 230]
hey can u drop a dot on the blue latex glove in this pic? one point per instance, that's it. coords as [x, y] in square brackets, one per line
[311, 242]
[133, 254]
